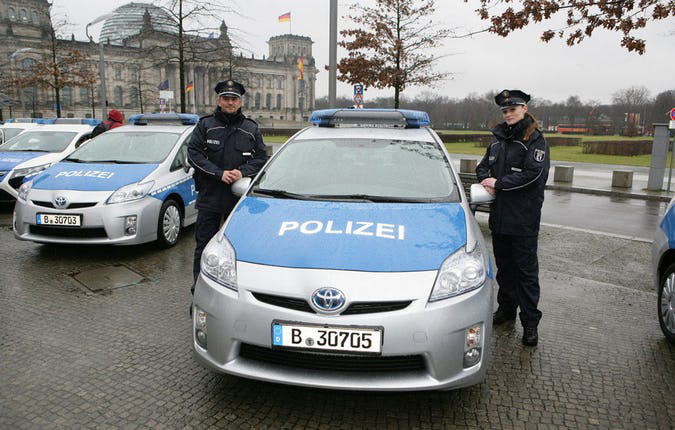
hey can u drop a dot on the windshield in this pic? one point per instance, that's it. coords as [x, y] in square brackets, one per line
[127, 147]
[43, 141]
[359, 169]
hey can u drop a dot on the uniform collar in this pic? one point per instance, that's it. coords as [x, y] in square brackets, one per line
[229, 119]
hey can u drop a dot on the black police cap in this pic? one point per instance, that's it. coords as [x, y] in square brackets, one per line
[512, 98]
[230, 88]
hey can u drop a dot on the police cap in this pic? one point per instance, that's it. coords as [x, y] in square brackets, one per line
[511, 98]
[230, 88]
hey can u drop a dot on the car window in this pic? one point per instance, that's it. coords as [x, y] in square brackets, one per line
[127, 147]
[42, 140]
[373, 167]
[9, 133]
[181, 157]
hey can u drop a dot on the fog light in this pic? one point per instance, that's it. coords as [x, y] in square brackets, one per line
[473, 342]
[130, 224]
[471, 357]
[200, 327]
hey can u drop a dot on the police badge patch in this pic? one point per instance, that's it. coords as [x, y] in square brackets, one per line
[539, 155]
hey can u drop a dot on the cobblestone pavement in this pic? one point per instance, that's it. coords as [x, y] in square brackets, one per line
[72, 358]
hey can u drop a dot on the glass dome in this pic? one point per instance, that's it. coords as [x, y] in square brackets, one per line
[127, 21]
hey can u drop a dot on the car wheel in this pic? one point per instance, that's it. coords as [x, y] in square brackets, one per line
[169, 224]
[666, 303]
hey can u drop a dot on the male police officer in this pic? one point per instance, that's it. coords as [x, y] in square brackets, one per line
[224, 147]
[515, 169]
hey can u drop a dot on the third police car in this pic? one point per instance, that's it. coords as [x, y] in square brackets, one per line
[37, 147]
[129, 185]
[352, 261]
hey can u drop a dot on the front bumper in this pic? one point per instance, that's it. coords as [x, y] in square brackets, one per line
[434, 333]
[101, 223]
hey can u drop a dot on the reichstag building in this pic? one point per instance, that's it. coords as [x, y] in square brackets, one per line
[139, 43]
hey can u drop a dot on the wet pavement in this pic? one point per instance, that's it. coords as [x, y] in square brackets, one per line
[120, 356]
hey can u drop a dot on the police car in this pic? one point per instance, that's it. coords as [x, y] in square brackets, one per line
[38, 147]
[15, 126]
[352, 261]
[127, 186]
[663, 261]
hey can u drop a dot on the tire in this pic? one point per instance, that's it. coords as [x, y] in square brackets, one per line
[169, 224]
[666, 303]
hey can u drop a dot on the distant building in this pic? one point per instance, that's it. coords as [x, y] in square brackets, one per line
[139, 49]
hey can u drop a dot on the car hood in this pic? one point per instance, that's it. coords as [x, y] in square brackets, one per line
[90, 176]
[376, 237]
[11, 159]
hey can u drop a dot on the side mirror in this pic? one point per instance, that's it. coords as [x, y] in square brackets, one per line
[240, 186]
[479, 195]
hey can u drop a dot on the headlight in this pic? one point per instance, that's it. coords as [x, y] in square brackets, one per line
[219, 261]
[23, 190]
[130, 192]
[461, 272]
[29, 171]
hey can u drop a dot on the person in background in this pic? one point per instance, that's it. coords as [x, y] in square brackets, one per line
[515, 169]
[115, 119]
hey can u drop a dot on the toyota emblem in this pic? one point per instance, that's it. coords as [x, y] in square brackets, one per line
[328, 299]
[60, 202]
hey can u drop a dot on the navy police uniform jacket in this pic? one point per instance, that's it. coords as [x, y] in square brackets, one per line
[519, 160]
[223, 142]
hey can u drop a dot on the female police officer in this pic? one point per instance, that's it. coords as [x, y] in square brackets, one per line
[515, 169]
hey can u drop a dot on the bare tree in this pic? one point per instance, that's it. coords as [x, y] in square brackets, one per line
[633, 96]
[390, 49]
[583, 17]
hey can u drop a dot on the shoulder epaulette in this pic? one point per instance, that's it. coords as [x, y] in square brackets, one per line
[206, 116]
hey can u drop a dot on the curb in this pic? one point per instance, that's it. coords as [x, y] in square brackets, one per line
[621, 194]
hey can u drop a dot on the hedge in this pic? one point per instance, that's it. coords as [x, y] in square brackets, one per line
[618, 147]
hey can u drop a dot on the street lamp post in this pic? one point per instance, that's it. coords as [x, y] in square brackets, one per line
[101, 63]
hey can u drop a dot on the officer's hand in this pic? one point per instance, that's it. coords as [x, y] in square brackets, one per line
[230, 176]
[489, 185]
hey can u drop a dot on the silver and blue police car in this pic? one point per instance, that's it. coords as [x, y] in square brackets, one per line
[127, 186]
[352, 261]
[663, 262]
[38, 147]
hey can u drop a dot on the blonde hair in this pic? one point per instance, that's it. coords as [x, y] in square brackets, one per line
[531, 127]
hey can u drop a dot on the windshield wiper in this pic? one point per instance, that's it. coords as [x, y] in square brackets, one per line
[281, 193]
[116, 161]
[369, 198]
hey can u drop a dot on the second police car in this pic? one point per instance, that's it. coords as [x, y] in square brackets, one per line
[127, 186]
[37, 147]
[352, 261]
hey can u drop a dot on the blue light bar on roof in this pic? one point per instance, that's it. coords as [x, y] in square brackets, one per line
[24, 120]
[85, 121]
[164, 118]
[370, 118]
[45, 120]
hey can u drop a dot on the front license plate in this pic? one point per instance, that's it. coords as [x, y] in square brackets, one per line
[349, 339]
[59, 219]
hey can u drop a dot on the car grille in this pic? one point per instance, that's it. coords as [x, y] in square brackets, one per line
[68, 232]
[70, 206]
[353, 309]
[347, 363]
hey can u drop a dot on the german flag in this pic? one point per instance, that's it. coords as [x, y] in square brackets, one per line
[285, 17]
[190, 87]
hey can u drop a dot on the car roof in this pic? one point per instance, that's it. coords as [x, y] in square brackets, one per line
[61, 127]
[151, 128]
[422, 134]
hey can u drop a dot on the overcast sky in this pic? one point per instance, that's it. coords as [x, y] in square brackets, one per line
[593, 70]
